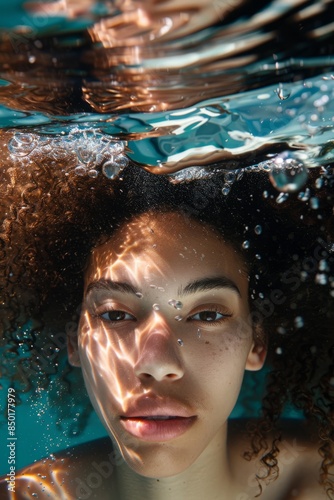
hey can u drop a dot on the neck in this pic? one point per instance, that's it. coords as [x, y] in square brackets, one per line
[208, 477]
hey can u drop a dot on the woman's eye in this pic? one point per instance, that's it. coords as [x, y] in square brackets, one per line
[208, 316]
[116, 316]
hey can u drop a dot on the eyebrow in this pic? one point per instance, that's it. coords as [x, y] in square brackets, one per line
[112, 286]
[209, 283]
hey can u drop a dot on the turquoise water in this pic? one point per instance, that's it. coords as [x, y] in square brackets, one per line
[248, 86]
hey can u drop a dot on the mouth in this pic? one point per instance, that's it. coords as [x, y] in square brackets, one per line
[157, 428]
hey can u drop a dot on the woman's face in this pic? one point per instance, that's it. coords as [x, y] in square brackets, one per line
[164, 339]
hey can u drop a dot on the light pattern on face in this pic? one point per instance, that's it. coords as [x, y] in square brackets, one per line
[164, 339]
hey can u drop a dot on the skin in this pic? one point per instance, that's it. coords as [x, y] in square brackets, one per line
[128, 348]
[128, 344]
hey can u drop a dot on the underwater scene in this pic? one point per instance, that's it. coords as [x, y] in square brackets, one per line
[167, 249]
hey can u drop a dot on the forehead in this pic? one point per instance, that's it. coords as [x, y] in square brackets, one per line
[164, 246]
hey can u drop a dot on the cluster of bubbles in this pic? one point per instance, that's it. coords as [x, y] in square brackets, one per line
[93, 152]
[287, 171]
[177, 304]
[191, 174]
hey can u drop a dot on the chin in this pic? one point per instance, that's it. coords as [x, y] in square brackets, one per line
[161, 461]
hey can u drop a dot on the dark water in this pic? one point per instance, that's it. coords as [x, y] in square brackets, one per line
[181, 88]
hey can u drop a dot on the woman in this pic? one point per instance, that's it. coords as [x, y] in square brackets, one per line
[181, 289]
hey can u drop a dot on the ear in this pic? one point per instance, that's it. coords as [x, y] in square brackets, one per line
[258, 352]
[72, 349]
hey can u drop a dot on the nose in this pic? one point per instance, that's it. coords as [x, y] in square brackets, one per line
[159, 356]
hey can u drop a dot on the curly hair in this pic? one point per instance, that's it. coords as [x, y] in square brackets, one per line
[51, 218]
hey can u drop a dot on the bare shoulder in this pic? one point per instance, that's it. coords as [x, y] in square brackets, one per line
[298, 462]
[84, 471]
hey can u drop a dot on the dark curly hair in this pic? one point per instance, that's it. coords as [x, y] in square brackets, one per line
[51, 218]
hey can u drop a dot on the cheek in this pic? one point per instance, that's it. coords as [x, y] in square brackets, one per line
[106, 365]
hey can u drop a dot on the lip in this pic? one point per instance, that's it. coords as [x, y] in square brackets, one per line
[156, 429]
[157, 419]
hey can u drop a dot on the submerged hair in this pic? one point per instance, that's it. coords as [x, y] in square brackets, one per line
[51, 218]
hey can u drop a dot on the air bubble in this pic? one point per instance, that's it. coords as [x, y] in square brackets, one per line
[121, 161]
[283, 93]
[281, 198]
[246, 244]
[229, 177]
[314, 203]
[80, 170]
[258, 229]
[180, 342]
[226, 189]
[93, 173]
[305, 195]
[288, 172]
[281, 330]
[321, 279]
[279, 350]
[319, 182]
[323, 266]
[299, 322]
[111, 170]
[22, 144]
[156, 307]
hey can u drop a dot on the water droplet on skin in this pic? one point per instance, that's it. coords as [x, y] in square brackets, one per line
[172, 302]
[178, 318]
[258, 229]
[180, 342]
[288, 173]
[139, 295]
[156, 307]
[245, 244]
[178, 305]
